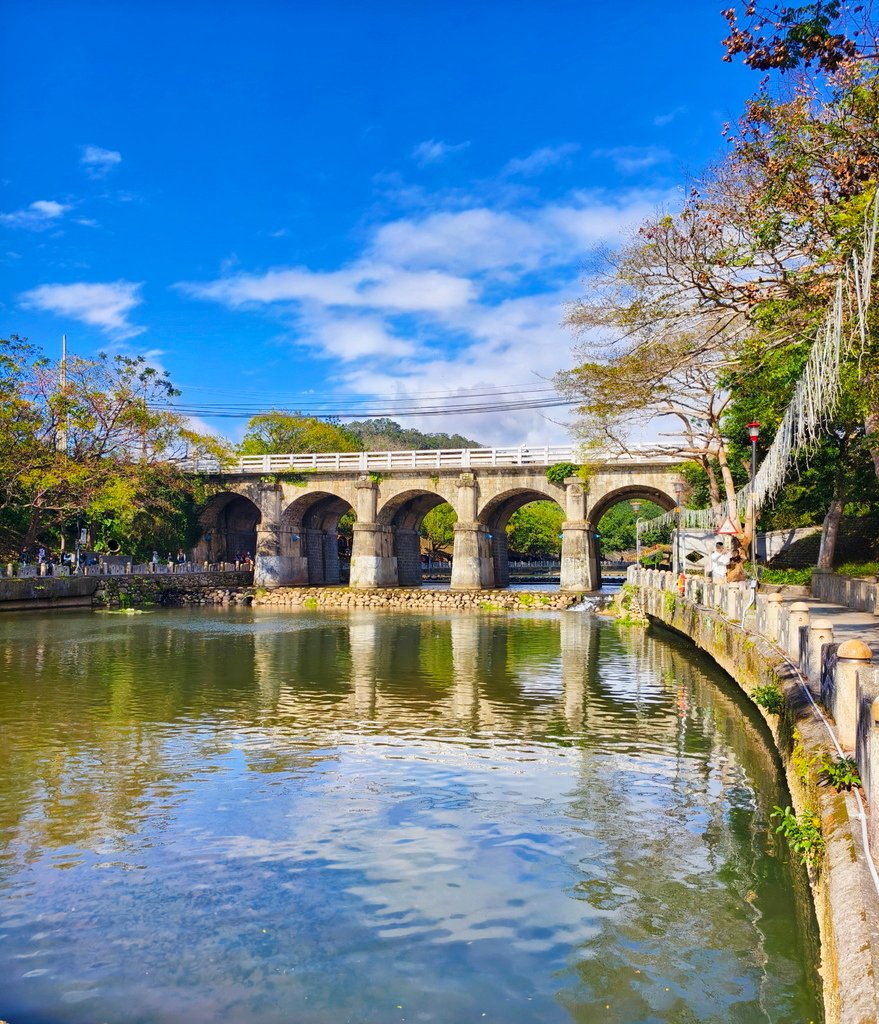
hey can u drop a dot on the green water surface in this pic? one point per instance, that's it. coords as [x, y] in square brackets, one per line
[247, 816]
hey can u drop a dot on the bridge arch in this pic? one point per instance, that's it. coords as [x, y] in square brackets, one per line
[309, 538]
[229, 522]
[628, 493]
[495, 515]
[403, 514]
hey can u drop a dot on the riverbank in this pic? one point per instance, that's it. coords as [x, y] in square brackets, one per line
[845, 897]
[43, 593]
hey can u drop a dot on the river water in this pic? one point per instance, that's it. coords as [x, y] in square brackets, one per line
[247, 816]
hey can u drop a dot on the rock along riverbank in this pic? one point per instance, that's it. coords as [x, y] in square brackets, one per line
[415, 599]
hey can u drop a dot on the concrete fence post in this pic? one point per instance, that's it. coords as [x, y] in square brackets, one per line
[820, 633]
[853, 662]
[773, 613]
[798, 617]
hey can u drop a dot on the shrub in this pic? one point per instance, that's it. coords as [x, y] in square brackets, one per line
[802, 832]
[840, 772]
[769, 697]
[560, 472]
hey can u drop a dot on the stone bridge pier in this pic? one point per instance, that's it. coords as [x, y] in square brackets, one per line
[290, 521]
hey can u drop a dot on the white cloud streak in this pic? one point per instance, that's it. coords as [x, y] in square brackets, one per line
[99, 162]
[631, 159]
[40, 215]
[433, 151]
[104, 306]
[540, 160]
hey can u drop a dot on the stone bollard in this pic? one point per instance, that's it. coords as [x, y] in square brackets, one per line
[798, 616]
[853, 658]
[773, 615]
[820, 634]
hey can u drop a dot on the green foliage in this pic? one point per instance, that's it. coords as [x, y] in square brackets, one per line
[534, 529]
[840, 772]
[858, 569]
[802, 832]
[617, 526]
[560, 471]
[769, 697]
[282, 433]
[802, 762]
[385, 435]
[95, 447]
[438, 527]
[788, 577]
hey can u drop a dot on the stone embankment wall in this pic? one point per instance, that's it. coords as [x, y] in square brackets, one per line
[46, 593]
[776, 648]
[414, 599]
[223, 588]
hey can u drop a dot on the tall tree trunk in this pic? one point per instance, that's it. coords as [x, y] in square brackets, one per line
[829, 533]
[728, 483]
[713, 486]
[871, 424]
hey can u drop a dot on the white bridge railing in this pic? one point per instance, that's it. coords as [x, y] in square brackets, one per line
[446, 458]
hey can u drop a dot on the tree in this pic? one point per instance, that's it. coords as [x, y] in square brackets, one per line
[282, 433]
[617, 526]
[821, 32]
[438, 527]
[95, 437]
[535, 529]
[385, 434]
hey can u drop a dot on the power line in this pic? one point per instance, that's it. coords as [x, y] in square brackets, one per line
[340, 412]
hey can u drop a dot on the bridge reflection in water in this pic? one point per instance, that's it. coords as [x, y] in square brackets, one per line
[222, 816]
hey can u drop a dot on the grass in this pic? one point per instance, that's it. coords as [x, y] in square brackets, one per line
[858, 569]
[803, 577]
[797, 577]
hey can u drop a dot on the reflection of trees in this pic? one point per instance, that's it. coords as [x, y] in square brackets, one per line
[106, 720]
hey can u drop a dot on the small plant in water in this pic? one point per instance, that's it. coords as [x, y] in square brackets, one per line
[769, 697]
[802, 832]
[840, 772]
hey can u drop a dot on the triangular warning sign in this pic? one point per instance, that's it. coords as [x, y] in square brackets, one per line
[728, 529]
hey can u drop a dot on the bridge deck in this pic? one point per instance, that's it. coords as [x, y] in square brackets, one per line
[445, 458]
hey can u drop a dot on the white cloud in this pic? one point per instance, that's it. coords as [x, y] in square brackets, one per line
[464, 299]
[661, 120]
[105, 306]
[365, 285]
[42, 214]
[540, 160]
[98, 162]
[433, 151]
[631, 159]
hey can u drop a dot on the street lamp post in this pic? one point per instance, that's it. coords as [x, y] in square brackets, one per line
[636, 504]
[677, 562]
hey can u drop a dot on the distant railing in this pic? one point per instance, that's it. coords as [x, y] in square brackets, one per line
[117, 568]
[444, 458]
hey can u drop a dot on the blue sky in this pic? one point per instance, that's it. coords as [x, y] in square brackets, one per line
[290, 203]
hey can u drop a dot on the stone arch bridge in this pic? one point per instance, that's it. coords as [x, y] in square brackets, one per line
[286, 509]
